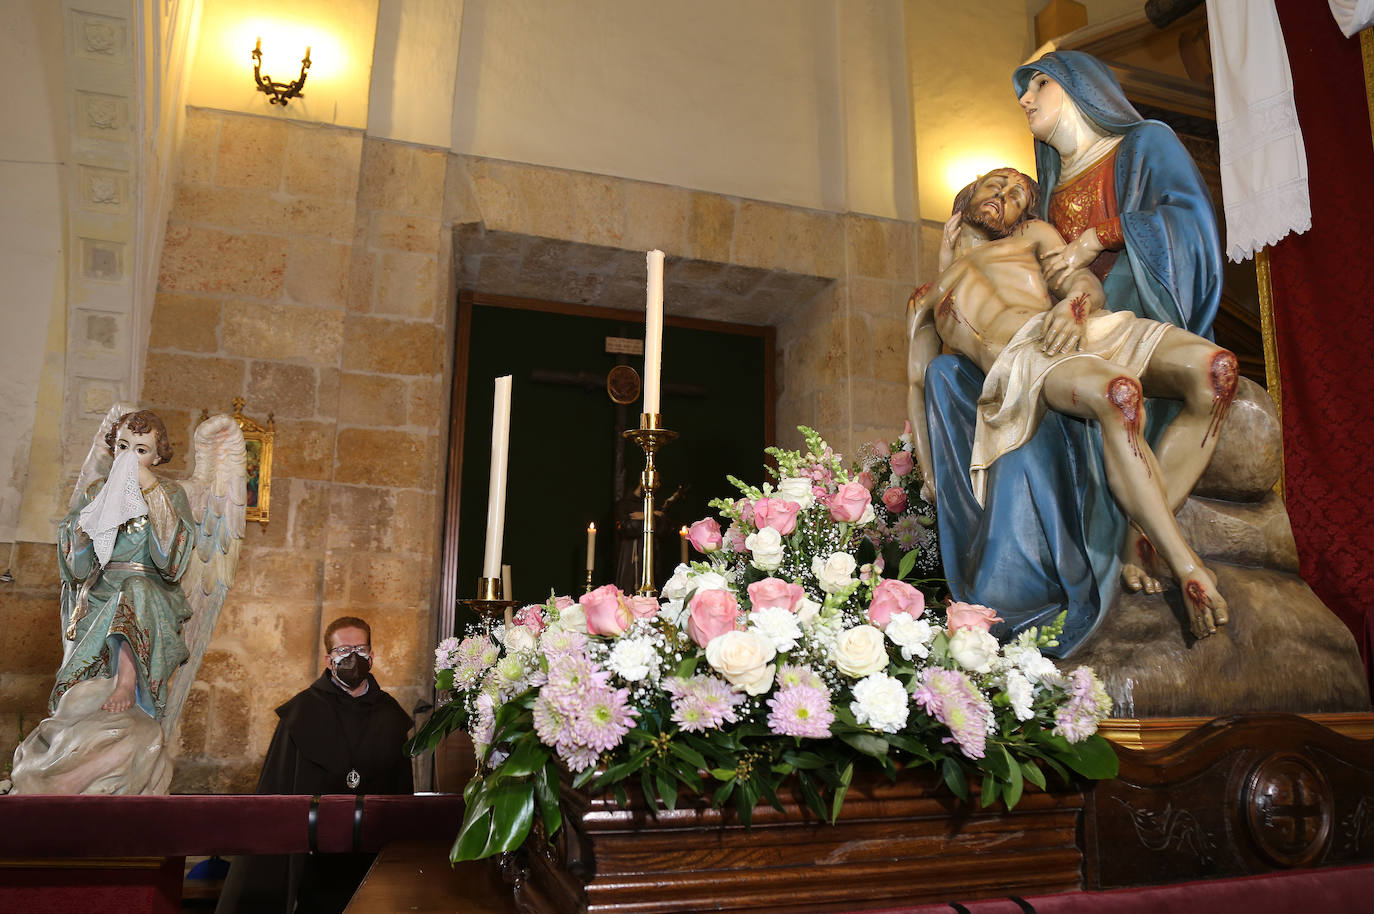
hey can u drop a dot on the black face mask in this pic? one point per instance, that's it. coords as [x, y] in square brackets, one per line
[352, 670]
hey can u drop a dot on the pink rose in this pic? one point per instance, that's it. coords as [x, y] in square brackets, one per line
[532, 617]
[906, 427]
[777, 513]
[970, 615]
[773, 592]
[607, 613]
[736, 536]
[894, 500]
[746, 511]
[705, 536]
[562, 603]
[848, 504]
[902, 463]
[866, 480]
[711, 614]
[883, 448]
[891, 597]
[643, 607]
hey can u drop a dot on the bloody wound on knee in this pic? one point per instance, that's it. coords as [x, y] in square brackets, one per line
[1124, 394]
[1225, 376]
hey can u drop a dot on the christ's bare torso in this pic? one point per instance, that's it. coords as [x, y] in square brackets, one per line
[989, 293]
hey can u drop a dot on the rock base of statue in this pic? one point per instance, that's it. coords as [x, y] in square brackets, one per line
[895, 843]
[1283, 649]
[84, 750]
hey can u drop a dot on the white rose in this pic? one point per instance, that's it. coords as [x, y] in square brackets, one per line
[743, 659]
[860, 651]
[572, 619]
[1020, 694]
[912, 636]
[798, 489]
[835, 573]
[807, 609]
[973, 649]
[633, 659]
[766, 545]
[519, 638]
[868, 515]
[778, 625]
[880, 702]
[675, 611]
[707, 580]
[678, 584]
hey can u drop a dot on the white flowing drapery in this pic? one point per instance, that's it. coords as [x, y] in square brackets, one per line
[1263, 160]
[1352, 15]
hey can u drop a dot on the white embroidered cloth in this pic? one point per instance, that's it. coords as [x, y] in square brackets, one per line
[1263, 161]
[1352, 15]
[119, 500]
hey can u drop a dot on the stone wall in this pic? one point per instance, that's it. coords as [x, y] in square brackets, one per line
[301, 272]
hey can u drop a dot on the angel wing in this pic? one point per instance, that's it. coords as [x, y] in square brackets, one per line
[98, 460]
[217, 490]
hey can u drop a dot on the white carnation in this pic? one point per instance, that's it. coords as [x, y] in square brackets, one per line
[778, 625]
[633, 659]
[912, 636]
[1020, 694]
[1041, 669]
[973, 649]
[834, 573]
[880, 701]
[798, 489]
[766, 546]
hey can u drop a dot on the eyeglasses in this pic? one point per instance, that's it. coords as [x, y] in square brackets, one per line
[343, 650]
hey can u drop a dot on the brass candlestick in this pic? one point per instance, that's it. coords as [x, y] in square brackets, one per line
[650, 437]
[489, 604]
[589, 581]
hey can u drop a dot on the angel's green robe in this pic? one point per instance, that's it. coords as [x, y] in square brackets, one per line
[134, 598]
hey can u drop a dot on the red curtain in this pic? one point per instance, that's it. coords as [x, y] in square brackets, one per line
[1323, 285]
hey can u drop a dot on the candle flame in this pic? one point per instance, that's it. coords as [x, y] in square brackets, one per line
[591, 528]
[683, 532]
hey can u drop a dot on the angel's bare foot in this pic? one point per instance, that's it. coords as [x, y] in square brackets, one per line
[1204, 603]
[1140, 566]
[126, 681]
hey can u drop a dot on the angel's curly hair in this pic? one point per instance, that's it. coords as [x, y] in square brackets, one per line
[141, 423]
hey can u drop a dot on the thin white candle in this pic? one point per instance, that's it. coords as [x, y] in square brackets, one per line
[591, 546]
[505, 582]
[653, 332]
[682, 534]
[496, 491]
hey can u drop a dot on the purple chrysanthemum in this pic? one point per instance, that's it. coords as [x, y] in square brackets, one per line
[1088, 703]
[603, 718]
[801, 711]
[703, 702]
[949, 697]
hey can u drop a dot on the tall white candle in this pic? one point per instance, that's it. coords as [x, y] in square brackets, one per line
[653, 332]
[591, 546]
[682, 535]
[496, 490]
[505, 582]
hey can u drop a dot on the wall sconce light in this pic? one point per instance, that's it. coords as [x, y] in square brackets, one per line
[280, 93]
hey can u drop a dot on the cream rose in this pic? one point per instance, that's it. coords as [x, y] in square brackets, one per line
[766, 546]
[806, 610]
[860, 651]
[743, 658]
[973, 649]
[519, 638]
[835, 573]
[572, 619]
[798, 489]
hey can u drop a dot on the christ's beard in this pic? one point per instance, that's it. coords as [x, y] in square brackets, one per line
[993, 229]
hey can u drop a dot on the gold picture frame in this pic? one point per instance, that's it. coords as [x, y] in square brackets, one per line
[257, 441]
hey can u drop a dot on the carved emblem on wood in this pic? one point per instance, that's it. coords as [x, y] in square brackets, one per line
[1288, 809]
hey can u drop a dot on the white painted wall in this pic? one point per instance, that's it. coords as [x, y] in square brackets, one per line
[756, 98]
[32, 258]
[414, 67]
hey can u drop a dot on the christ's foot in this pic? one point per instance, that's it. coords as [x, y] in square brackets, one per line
[1204, 603]
[1140, 567]
[126, 683]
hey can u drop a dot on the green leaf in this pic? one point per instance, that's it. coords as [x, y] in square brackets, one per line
[837, 803]
[723, 774]
[804, 760]
[512, 806]
[444, 681]
[991, 786]
[867, 743]
[953, 774]
[1014, 786]
[1093, 758]
[1033, 773]
[723, 793]
[996, 762]
[546, 794]
[582, 777]
[810, 795]
[910, 744]
[667, 790]
[527, 757]
[688, 755]
[904, 567]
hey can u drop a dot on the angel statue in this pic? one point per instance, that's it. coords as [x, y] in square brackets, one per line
[145, 564]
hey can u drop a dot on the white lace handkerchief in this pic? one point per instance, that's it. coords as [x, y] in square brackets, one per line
[119, 500]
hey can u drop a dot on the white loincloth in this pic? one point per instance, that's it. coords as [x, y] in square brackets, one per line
[1011, 405]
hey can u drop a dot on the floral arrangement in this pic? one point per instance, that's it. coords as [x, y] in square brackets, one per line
[904, 522]
[777, 655]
